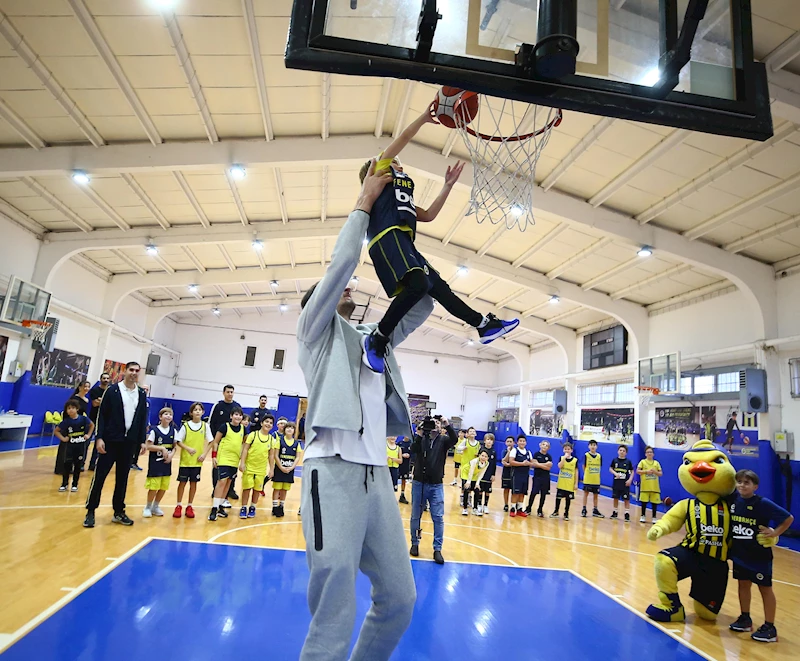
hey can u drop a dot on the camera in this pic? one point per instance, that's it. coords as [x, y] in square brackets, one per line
[428, 425]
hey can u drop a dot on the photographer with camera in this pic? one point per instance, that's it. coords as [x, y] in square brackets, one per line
[430, 448]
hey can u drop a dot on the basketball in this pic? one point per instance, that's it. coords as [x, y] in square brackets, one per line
[667, 501]
[452, 100]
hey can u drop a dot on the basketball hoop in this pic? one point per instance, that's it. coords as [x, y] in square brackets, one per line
[38, 329]
[645, 393]
[505, 142]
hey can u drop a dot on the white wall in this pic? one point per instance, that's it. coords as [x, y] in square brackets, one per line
[18, 250]
[76, 286]
[789, 306]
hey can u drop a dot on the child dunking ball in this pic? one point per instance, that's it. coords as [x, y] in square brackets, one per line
[160, 445]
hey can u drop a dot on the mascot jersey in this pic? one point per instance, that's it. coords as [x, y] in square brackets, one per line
[708, 528]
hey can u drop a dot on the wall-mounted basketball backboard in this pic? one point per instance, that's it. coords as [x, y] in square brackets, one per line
[23, 301]
[682, 63]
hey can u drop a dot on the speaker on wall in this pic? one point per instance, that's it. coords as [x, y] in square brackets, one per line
[152, 363]
[753, 391]
[559, 402]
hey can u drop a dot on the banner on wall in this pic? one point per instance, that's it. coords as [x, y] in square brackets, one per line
[607, 426]
[546, 423]
[417, 404]
[3, 349]
[115, 370]
[59, 368]
[507, 415]
[678, 427]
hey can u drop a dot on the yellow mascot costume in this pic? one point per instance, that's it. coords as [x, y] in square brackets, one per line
[707, 474]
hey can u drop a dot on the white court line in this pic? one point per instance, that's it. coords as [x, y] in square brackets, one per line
[670, 632]
[53, 608]
[111, 559]
[67, 589]
[5, 639]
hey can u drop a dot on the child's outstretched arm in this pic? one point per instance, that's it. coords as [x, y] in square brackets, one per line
[400, 142]
[450, 179]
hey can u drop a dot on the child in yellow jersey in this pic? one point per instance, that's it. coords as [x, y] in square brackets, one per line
[394, 459]
[457, 457]
[226, 455]
[285, 454]
[592, 464]
[193, 438]
[470, 447]
[649, 470]
[254, 464]
[567, 481]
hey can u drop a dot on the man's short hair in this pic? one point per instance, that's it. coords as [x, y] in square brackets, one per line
[228, 387]
[262, 397]
[592, 441]
[105, 374]
[623, 446]
[133, 363]
[747, 474]
[307, 295]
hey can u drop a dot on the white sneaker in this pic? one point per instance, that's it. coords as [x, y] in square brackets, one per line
[485, 509]
[479, 511]
[642, 519]
[157, 511]
[73, 489]
[475, 510]
[226, 504]
[62, 488]
[453, 483]
[147, 513]
[465, 512]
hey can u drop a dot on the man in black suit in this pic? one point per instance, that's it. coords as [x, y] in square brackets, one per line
[121, 427]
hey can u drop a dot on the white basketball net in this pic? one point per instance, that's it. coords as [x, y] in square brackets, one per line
[39, 332]
[505, 141]
[645, 396]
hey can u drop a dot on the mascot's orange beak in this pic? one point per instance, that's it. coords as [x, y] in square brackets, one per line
[702, 472]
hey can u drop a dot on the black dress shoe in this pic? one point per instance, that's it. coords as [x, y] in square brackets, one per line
[88, 522]
[438, 558]
[414, 550]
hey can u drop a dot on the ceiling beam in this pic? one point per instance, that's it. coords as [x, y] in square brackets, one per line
[541, 243]
[220, 291]
[89, 25]
[57, 204]
[656, 277]
[607, 275]
[193, 259]
[93, 267]
[137, 268]
[236, 198]
[171, 293]
[763, 198]
[482, 288]
[104, 206]
[190, 73]
[402, 109]
[281, 195]
[672, 140]
[500, 231]
[563, 315]
[577, 151]
[163, 263]
[511, 297]
[145, 198]
[246, 289]
[386, 92]
[457, 224]
[783, 54]
[18, 124]
[10, 212]
[226, 256]
[290, 250]
[323, 207]
[579, 257]
[326, 106]
[258, 66]
[189, 193]
[693, 295]
[46, 78]
[738, 159]
[762, 235]
[227, 303]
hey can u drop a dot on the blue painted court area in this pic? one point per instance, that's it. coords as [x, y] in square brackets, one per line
[184, 600]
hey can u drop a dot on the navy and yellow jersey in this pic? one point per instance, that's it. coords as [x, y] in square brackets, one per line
[708, 528]
[74, 428]
[229, 450]
[592, 464]
[622, 471]
[394, 208]
[165, 440]
[747, 516]
[567, 473]
[287, 455]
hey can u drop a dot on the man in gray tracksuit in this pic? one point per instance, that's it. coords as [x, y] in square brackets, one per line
[350, 517]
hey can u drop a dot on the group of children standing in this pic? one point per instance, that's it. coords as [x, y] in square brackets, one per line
[517, 460]
[260, 455]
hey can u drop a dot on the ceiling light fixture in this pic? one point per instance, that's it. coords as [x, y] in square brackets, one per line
[216, 311]
[462, 271]
[81, 178]
[151, 249]
[193, 289]
[258, 245]
[354, 279]
[273, 283]
[164, 5]
[283, 307]
[651, 77]
[470, 342]
[554, 299]
[237, 172]
[645, 251]
[517, 210]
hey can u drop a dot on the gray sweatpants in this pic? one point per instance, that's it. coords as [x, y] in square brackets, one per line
[351, 521]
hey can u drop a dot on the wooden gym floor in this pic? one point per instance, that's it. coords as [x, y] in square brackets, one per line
[47, 554]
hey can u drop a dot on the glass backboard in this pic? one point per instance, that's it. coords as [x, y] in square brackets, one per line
[662, 372]
[23, 301]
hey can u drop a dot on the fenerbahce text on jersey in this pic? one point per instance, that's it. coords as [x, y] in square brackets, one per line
[394, 208]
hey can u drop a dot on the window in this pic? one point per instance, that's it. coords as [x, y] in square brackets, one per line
[250, 357]
[704, 385]
[278, 358]
[686, 385]
[728, 382]
[508, 401]
[594, 394]
[540, 399]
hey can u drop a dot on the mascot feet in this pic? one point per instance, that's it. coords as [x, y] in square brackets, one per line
[668, 609]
